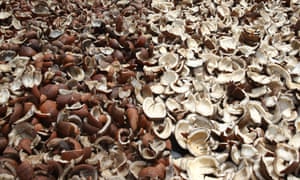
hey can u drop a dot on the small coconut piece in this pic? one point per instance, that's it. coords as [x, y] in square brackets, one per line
[136, 167]
[258, 92]
[156, 147]
[286, 159]
[244, 172]
[202, 165]
[172, 105]
[235, 76]
[31, 78]
[254, 114]
[228, 43]
[275, 133]
[169, 77]
[198, 121]
[286, 107]
[76, 73]
[168, 60]
[181, 132]
[225, 65]
[205, 107]
[259, 78]
[4, 95]
[197, 142]
[248, 151]
[295, 141]
[264, 168]
[5, 15]
[106, 50]
[154, 109]
[163, 130]
[190, 103]
[278, 70]
[181, 86]
[157, 88]
[235, 154]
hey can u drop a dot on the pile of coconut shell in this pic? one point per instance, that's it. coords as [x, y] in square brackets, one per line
[131, 89]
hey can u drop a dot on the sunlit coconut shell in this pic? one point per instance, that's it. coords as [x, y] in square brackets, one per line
[205, 107]
[286, 160]
[162, 6]
[157, 88]
[198, 121]
[154, 109]
[264, 168]
[280, 71]
[168, 60]
[235, 154]
[254, 114]
[228, 43]
[286, 107]
[136, 167]
[7, 55]
[247, 50]
[275, 133]
[202, 165]
[5, 68]
[172, 105]
[177, 28]
[147, 153]
[55, 33]
[248, 151]
[190, 103]
[4, 96]
[225, 65]
[31, 78]
[181, 86]
[106, 50]
[181, 131]
[295, 141]
[5, 15]
[197, 142]
[168, 78]
[261, 79]
[258, 92]
[235, 76]
[297, 124]
[217, 91]
[76, 73]
[163, 130]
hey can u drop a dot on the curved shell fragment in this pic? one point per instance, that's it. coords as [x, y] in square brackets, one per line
[154, 109]
[168, 60]
[205, 107]
[197, 142]
[202, 165]
[4, 95]
[163, 130]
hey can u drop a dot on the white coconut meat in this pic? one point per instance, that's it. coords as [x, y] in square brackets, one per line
[163, 130]
[205, 107]
[4, 95]
[168, 60]
[197, 142]
[202, 165]
[154, 109]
